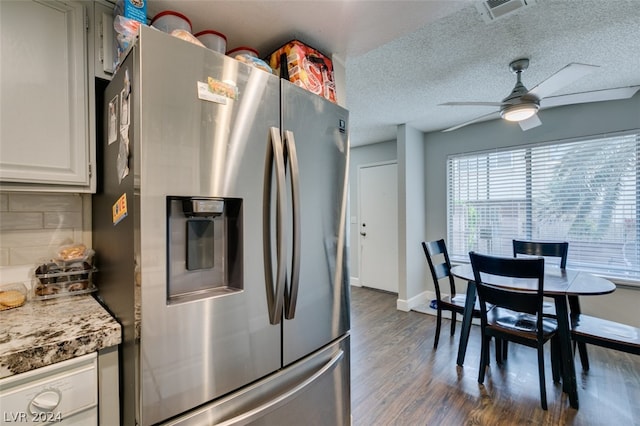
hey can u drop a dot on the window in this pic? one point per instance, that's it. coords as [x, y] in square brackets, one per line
[583, 191]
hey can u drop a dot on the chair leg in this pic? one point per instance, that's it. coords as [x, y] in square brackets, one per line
[574, 308]
[505, 347]
[556, 362]
[453, 322]
[584, 359]
[438, 324]
[543, 387]
[484, 358]
[499, 354]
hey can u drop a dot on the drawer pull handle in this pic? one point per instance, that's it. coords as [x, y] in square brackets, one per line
[47, 400]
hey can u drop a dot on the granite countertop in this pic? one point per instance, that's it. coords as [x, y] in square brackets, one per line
[40, 333]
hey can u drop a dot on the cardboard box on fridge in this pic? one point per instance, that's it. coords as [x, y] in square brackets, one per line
[305, 67]
[132, 9]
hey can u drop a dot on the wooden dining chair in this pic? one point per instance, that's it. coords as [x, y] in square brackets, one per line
[550, 250]
[511, 317]
[440, 266]
[558, 249]
[546, 249]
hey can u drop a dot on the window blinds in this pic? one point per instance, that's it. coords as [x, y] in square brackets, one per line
[581, 191]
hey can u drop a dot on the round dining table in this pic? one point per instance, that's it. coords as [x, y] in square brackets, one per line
[564, 286]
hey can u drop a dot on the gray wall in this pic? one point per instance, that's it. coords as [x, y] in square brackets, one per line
[558, 123]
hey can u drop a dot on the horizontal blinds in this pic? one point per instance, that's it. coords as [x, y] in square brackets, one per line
[581, 191]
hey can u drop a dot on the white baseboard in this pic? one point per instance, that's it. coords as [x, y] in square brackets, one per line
[420, 301]
[426, 309]
[355, 281]
[422, 298]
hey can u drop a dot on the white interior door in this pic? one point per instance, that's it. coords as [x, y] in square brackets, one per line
[378, 226]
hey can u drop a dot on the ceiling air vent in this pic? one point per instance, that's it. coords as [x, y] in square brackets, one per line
[495, 9]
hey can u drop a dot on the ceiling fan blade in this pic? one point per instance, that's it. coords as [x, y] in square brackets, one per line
[562, 78]
[530, 122]
[493, 104]
[466, 123]
[593, 96]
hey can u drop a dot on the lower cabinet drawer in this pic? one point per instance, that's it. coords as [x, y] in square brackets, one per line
[65, 393]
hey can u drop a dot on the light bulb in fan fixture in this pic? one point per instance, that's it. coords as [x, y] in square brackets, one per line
[519, 112]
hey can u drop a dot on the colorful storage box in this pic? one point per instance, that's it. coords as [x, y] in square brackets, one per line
[132, 9]
[305, 67]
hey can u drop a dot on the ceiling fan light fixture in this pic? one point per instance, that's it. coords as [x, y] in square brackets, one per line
[519, 112]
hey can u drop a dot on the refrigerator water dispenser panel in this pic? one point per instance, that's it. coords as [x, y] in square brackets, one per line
[200, 247]
[204, 249]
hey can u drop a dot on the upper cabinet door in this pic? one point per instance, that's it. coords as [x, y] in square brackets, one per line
[104, 49]
[44, 136]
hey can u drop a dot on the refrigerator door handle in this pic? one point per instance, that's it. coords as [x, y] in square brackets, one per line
[283, 398]
[275, 294]
[291, 296]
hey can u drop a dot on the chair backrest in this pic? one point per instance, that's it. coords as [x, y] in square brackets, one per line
[543, 248]
[439, 264]
[527, 301]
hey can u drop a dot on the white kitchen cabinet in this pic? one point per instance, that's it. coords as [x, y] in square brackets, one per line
[108, 386]
[64, 393]
[45, 137]
[103, 39]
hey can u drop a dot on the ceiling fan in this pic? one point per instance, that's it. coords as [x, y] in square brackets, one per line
[522, 105]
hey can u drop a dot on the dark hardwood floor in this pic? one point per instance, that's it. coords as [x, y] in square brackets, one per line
[397, 378]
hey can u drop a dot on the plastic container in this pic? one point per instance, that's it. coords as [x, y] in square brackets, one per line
[213, 40]
[187, 36]
[54, 291]
[243, 50]
[72, 253]
[51, 282]
[68, 273]
[12, 296]
[254, 62]
[170, 20]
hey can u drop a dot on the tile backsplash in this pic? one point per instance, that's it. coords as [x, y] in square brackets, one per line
[33, 225]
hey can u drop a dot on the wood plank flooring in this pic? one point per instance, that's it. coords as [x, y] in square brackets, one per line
[397, 378]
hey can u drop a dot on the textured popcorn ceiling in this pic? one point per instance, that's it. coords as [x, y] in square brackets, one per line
[462, 58]
[403, 58]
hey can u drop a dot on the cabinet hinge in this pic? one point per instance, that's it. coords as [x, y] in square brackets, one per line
[90, 171]
[86, 22]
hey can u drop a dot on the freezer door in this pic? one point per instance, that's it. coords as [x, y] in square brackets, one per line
[315, 138]
[314, 391]
[204, 131]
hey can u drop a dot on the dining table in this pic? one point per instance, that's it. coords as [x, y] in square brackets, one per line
[564, 286]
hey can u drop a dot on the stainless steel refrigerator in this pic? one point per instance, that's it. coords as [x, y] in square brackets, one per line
[220, 236]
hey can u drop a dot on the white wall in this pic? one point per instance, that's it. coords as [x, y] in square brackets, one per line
[339, 77]
[558, 123]
[369, 154]
[411, 223]
[408, 151]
